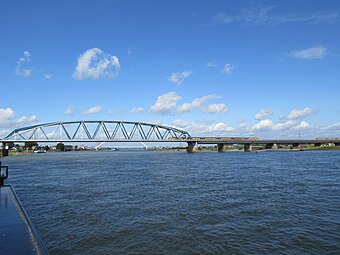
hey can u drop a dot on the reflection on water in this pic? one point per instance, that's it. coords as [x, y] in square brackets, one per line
[179, 203]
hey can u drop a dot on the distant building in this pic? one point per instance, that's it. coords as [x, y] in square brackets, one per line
[69, 147]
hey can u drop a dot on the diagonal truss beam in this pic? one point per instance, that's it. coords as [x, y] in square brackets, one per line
[73, 129]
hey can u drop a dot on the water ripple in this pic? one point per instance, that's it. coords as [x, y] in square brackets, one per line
[179, 203]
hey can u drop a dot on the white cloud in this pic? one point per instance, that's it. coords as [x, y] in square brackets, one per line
[4, 133]
[48, 76]
[96, 64]
[92, 110]
[203, 128]
[335, 126]
[263, 124]
[179, 77]
[263, 114]
[22, 68]
[165, 103]
[299, 114]
[284, 125]
[264, 16]
[131, 51]
[137, 110]
[8, 119]
[219, 127]
[188, 107]
[268, 125]
[210, 64]
[221, 18]
[70, 110]
[243, 124]
[310, 53]
[303, 125]
[228, 69]
[180, 123]
[216, 108]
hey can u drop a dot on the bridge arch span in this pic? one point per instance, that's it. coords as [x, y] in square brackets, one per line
[94, 131]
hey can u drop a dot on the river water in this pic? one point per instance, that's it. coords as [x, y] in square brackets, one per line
[120, 202]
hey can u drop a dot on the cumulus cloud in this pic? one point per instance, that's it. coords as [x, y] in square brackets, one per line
[268, 125]
[310, 53]
[96, 64]
[219, 127]
[179, 77]
[216, 108]
[165, 103]
[203, 128]
[303, 125]
[137, 110]
[70, 110]
[299, 114]
[93, 110]
[263, 114]
[263, 124]
[228, 69]
[22, 67]
[196, 103]
[180, 123]
[8, 119]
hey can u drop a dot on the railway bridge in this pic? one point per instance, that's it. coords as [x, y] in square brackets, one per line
[128, 131]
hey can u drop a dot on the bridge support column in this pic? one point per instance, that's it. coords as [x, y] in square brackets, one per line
[192, 147]
[248, 147]
[317, 144]
[296, 145]
[269, 146]
[220, 147]
[4, 149]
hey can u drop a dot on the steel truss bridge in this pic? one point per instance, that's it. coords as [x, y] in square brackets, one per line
[96, 131]
[127, 131]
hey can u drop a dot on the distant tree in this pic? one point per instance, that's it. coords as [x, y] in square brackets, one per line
[29, 145]
[10, 145]
[60, 146]
[47, 148]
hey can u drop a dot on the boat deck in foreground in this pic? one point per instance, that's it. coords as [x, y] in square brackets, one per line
[17, 234]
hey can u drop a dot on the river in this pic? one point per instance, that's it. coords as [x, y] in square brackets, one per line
[162, 202]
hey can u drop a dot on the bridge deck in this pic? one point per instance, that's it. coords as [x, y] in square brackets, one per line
[17, 234]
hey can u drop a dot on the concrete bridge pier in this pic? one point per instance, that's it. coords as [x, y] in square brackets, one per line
[4, 149]
[220, 147]
[192, 147]
[272, 146]
[296, 145]
[248, 147]
[269, 146]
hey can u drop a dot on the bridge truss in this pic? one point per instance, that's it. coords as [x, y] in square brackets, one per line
[95, 131]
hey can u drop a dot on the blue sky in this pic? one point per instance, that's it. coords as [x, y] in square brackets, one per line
[245, 68]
